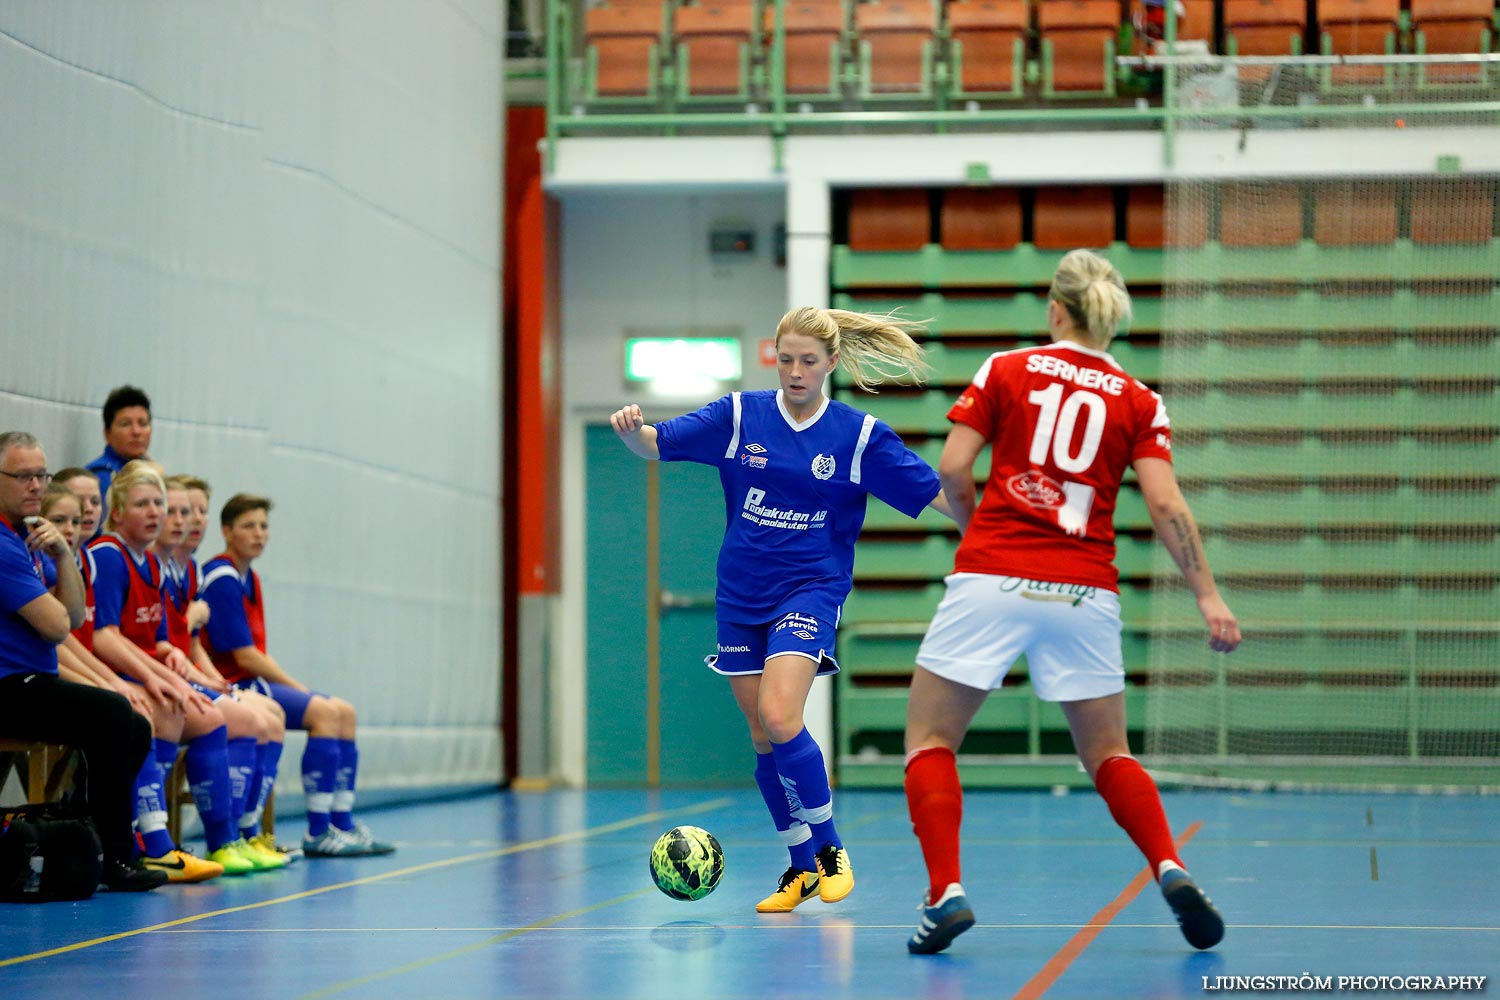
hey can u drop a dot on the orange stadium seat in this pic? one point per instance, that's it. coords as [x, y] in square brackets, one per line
[1148, 228]
[1358, 27]
[622, 43]
[1260, 214]
[1079, 34]
[1453, 212]
[1354, 213]
[713, 43]
[889, 219]
[1197, 23]
[989, 38]
[1452, 27]
[899, 37]
[814, 43]
[980, 219]
[1063, 218]
[1263, 28]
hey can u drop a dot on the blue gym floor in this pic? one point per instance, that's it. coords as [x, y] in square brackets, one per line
[547, 895]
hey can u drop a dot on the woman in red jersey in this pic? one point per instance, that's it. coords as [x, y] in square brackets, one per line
[1035, 574]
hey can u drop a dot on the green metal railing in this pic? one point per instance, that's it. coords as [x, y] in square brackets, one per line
[574, 111]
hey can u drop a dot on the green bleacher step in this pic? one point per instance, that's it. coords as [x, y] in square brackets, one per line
[1213, 263]
[1311, 456]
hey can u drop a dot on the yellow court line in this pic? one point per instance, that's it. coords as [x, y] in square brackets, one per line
[423, 963]
[561, 838]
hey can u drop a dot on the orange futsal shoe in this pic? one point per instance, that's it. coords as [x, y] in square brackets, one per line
[837, 877]
[796, 888]
[180, 866]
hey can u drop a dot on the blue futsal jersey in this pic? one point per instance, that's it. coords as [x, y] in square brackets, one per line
[794, 496]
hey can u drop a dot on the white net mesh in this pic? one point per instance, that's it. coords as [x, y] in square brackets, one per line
[1331, 362]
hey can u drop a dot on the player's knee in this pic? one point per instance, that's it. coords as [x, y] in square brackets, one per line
[167, 723]
[758, 736]
[240, 721]
[320, 718]
[782, 723]
[200, 722]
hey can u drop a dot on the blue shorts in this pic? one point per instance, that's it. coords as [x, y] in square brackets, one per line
[291, 700]
[207, 692]
[744, 649]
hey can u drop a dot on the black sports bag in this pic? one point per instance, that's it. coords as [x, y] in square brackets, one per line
[48, 852]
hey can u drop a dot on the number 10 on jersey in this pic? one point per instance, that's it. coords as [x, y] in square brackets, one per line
[1055, 429]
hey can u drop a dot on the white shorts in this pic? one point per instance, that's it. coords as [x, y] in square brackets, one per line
[1069, 632]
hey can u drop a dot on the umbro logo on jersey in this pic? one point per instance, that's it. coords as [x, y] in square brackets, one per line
[755, 449]
[803, 633]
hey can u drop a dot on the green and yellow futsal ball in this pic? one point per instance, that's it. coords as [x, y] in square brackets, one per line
[687, 862]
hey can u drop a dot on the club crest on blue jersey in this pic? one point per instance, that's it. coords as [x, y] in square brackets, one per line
[823, 466]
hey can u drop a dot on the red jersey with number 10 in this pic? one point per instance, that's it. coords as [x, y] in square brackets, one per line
[1063, 422]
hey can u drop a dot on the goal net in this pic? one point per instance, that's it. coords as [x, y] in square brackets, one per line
[1331, 364]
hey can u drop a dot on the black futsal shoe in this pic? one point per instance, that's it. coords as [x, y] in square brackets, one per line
[1200, 922]
[129, 876]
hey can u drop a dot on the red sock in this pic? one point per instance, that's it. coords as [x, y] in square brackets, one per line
[1134, 803]
[936, 801]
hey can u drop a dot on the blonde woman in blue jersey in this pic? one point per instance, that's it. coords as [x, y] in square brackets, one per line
[796, 468]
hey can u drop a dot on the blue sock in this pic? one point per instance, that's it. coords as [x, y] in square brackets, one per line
[320, 761]
[151, 810]
[794, 833]
[342, 814]
[800, 763]
[165, 752]
[268, 759]
[242, 757]
[208, 776]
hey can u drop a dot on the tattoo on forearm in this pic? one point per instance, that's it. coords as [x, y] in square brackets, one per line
[1182, 542]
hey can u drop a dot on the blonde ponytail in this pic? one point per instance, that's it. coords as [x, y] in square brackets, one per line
[1093, 293]
[871, 347]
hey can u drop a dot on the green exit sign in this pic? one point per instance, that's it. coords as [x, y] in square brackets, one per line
[674, 359]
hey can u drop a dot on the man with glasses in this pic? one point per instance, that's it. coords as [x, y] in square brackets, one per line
[35, 703]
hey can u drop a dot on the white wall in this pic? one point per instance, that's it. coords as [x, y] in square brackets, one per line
[282, 220]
